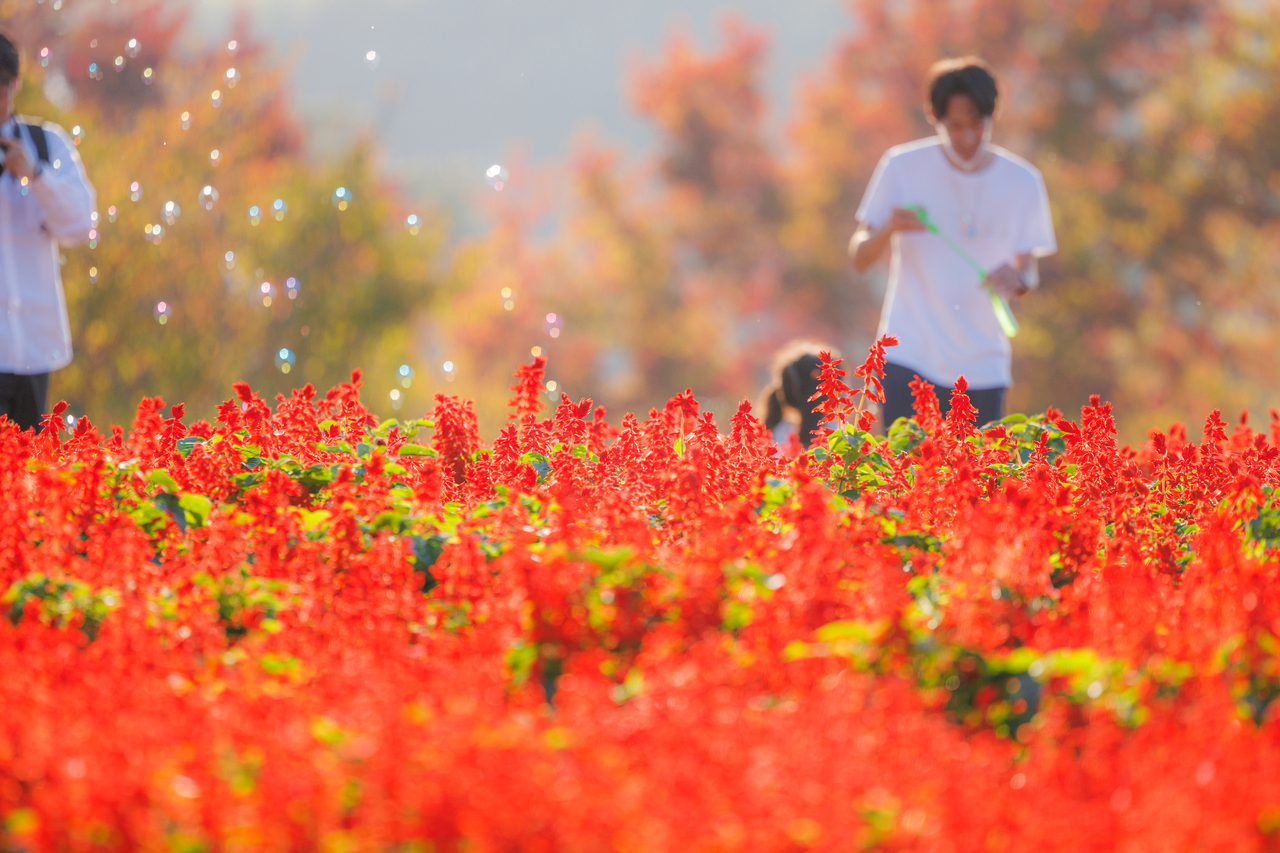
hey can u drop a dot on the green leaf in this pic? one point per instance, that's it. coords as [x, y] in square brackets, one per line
[197, 508]
[905, 435]
[160, 477]
[520, 661]
[794, 651]
[315, 478]
[327, 731]
[147, 516]
[389, 520]
[313, 520]
[278, 665]
[169, 502]
[415, 450]
[851, 629]
[426, 550]
[737, 615]
[539, 463]
[186, 445]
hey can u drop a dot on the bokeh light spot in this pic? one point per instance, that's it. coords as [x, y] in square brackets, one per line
[285, 359]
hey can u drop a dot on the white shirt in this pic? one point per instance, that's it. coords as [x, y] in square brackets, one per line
[935, 302]
[56, 207]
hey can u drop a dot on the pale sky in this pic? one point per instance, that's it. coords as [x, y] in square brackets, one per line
[457, 83]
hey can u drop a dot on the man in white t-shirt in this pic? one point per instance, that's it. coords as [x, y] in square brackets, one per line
[989, 201]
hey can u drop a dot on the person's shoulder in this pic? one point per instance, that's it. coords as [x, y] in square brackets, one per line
[51, 129]
[911, 152]
[1014, 164]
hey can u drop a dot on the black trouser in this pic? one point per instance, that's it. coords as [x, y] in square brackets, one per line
[898, 402]
[24, 399]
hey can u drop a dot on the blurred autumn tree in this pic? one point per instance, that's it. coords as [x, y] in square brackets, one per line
[184, 299]
[663, 277]
[1151, 121]
[1149, 118]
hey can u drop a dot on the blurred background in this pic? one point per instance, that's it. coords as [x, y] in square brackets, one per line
[652, 195]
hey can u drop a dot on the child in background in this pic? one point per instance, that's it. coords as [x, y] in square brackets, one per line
[788, 412]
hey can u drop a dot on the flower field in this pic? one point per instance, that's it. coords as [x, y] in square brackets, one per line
[300, 629]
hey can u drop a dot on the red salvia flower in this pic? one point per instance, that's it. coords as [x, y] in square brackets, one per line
[293, 628]
[962, 416]
[529, 388]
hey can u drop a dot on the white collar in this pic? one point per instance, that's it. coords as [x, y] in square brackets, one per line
[979, 162]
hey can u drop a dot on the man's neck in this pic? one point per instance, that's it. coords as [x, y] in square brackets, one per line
[976, 163]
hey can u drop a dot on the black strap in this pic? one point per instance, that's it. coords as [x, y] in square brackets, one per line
[38, 139]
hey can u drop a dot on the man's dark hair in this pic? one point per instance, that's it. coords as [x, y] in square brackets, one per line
[10, 66]
[967, 75]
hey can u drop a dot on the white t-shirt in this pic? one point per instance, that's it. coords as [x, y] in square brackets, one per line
[935, 303]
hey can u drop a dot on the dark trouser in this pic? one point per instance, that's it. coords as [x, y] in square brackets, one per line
[898, 402]
[25, 399]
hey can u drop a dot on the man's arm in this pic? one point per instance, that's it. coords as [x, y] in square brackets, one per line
[868, 244]
[66, 197]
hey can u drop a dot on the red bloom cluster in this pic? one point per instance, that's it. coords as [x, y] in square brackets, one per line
[300, 629]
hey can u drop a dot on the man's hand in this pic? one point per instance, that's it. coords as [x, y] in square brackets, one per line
[1005, 281]
[868, 244]
[903, 219]
[16, 160]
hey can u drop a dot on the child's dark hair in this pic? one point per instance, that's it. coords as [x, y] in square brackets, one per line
[967, 75]
[797, 370]
[10, 64]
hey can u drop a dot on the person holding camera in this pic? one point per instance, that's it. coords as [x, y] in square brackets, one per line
[983, 201]
[45, 199]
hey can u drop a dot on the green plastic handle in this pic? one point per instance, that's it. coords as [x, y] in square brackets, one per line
[1004, 314]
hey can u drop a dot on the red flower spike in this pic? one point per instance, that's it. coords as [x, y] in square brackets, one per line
[925, 400]
[685, 403]
[872, 370]
[457, 433]
[52, 422]
[1215, 427]
[963, 416]
[834, 398]
[529, 388]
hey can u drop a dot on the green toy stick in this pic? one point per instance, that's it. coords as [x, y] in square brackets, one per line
[1004, 314]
